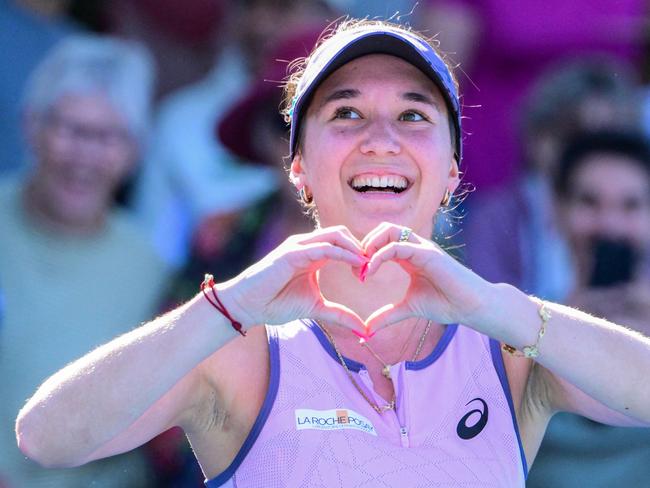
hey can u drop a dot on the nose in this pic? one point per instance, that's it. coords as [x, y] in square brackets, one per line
[380, 139]
[612, 223]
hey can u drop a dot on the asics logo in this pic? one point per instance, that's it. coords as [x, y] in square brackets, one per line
[467, 432]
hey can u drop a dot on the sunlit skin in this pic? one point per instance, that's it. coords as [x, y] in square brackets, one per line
[609, 196]
[83, 151]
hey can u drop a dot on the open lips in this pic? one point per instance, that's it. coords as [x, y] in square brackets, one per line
[379, 183]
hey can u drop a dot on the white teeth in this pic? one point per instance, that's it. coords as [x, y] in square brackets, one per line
[375, 181]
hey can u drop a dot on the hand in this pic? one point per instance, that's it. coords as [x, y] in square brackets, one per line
[283, 287]
[441, 289]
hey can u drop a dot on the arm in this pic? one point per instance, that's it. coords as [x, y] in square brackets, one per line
[586, 365]
[131, 389]
[628, 305]
[593, 367]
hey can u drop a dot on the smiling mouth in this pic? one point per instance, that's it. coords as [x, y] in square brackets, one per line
[379, 184]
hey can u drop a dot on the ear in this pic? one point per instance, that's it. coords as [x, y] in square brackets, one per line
[297, 174]
[454, 176]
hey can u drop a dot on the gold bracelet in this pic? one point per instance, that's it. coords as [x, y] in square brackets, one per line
[531, 352]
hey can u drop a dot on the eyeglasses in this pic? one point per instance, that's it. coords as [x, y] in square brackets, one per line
[107, 136]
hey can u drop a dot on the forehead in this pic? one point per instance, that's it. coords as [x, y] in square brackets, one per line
[389, 72]
[610, 172]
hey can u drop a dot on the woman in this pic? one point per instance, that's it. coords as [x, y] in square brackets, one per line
[375, 145]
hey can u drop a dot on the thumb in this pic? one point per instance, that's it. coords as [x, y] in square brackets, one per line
[339, 314]
[388, 315]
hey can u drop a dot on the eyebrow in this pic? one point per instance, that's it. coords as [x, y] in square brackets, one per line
[421, 98]
[345, 94]
[349, 93]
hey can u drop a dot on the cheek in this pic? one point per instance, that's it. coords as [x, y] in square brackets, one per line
[639, 225]
[52, 149]
[579, 222]
[120, 162]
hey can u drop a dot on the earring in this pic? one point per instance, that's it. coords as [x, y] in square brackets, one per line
[306, 196]
[446, 199]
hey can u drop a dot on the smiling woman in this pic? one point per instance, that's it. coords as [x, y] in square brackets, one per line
[360, 353]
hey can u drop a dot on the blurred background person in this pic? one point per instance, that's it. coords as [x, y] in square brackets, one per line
[251, 130]
[602, 190]
[67, 254]
[190, 184]
[511, 232]
[503, 51]
[183, 37]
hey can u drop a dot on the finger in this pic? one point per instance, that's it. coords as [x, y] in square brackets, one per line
[374, 232]
[338, 314]
[338, 235]
[388, 315]
[317, 253]
[387, 234]
[401, 252]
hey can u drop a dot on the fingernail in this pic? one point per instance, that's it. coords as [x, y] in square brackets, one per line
[362, 273]
[362, 337]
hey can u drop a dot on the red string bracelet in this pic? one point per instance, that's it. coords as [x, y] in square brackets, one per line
[208, 282]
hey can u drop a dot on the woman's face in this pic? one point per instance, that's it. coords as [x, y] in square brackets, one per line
[377, 147]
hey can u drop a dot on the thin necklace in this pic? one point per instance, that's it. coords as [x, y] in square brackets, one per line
[385, 370]
[380, 409]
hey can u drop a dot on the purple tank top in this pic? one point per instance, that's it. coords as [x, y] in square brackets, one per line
[454, 425]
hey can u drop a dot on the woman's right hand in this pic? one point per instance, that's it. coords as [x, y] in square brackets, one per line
[283, 286]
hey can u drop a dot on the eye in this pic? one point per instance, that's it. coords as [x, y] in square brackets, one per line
[632, 204]
[412, 116]
[586, 199]
[346, 113]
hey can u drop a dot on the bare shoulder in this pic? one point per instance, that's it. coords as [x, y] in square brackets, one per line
[234, 384]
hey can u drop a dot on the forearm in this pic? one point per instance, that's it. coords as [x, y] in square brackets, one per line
[99, 396]
[602, 359]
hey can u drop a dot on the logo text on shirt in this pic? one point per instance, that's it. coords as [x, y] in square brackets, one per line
[335, 419]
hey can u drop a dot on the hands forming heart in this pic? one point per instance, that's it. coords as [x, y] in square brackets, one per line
[283, 286]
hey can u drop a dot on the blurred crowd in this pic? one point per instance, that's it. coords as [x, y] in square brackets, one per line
[141, 146]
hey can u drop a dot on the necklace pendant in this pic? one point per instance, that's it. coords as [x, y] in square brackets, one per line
[388, 407]
[386, 371]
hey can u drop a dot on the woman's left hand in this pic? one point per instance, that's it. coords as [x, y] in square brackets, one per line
[442, 289]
